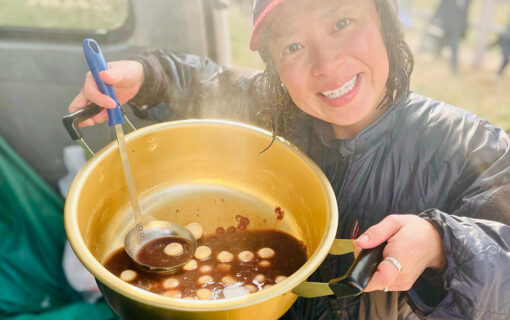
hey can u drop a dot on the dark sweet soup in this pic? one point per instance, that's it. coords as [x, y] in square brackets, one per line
[225, 265]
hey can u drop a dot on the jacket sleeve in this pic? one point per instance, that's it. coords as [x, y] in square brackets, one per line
[188, 86]
[475, 284]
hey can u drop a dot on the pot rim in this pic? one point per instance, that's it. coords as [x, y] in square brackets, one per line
[113, 282]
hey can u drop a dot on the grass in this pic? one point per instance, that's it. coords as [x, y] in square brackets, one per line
[476, 91]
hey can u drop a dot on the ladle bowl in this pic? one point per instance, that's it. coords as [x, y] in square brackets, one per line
[147, 231]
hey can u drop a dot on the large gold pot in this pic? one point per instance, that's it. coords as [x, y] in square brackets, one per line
[206, 171]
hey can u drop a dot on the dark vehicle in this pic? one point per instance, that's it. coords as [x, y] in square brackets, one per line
[42, 61]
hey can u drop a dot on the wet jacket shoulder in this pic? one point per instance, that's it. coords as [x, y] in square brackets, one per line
[189, 86]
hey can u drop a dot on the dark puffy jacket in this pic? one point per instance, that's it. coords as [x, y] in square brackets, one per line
[422, 157]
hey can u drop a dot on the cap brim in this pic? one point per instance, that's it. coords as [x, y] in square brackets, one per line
[260, 25]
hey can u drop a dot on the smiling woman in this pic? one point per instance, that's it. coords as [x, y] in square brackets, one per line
[64, 14]
[413, 174]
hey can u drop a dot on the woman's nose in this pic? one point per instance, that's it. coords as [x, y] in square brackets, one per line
[325, 60]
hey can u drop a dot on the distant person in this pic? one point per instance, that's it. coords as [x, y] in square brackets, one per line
[451, 18]
[504, 42]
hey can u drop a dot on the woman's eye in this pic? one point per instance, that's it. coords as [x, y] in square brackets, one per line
[342, 23]
[292, 48]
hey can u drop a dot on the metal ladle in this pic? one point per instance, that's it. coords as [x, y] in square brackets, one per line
[143, 232]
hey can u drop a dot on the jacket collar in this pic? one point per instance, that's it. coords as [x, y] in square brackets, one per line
[370, 136]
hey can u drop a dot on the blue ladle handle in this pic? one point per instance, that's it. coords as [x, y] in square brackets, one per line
[97, 63]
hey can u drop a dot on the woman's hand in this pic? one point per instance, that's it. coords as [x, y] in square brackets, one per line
[412, 241]
[125, 76]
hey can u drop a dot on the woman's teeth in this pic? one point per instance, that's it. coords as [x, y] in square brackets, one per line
[346, 88]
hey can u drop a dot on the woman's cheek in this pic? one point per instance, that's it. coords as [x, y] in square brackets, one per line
[290, 76]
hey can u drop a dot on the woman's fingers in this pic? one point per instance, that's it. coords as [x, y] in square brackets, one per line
[384, 277]
[124, 73]
[387, 273]
[108, 76]
[86, 123]
[126, 77]
[377, 234]
[91, 91]
[100, 117]
[79, 102]
[91, 94]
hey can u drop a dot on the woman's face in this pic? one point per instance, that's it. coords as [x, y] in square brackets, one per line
[331, 57]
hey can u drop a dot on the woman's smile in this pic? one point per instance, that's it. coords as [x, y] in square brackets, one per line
[344, 94]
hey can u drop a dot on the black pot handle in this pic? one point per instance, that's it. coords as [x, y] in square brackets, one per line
[72, 120]
[359, 274]
[71, 123]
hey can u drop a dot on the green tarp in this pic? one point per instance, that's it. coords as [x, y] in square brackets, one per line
[32, 282]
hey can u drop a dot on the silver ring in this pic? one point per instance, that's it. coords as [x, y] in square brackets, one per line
[395, 263]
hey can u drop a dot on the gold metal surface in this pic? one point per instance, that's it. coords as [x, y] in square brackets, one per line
[205, 171]
[341, 246]
[312, 289]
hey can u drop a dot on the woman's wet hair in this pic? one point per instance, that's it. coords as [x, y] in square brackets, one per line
[400, 57]
[280, 111]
